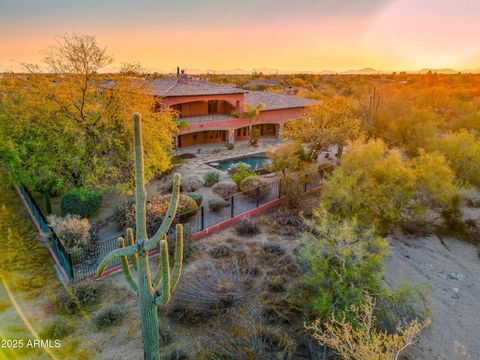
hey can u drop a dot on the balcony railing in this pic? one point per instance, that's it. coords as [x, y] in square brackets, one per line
[205, 118]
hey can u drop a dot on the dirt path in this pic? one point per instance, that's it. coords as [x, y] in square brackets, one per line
[450, 269]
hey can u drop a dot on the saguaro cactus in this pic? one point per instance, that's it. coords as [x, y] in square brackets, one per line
[156, 291]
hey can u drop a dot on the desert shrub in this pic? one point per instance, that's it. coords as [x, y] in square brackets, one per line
[208, 290]
[197, 197]
[165, 335]
[224, 189]
[292, 185]
[123, 213]
[211, 177]
[276, 283]
[462, 151]
[191, 183]
[364, 340]
[187, 207]
[217, 204]
[452, 214]
[73, 231]
[56, 329]
[108, 316]
[434, 180]
[285, 217]
[250, 184]
[241, 172]
[273, 249]
[247, 226]
[175, 354]
[246, 337]
[80, 294]
[187, 156]
[229, 146]
[222, 250]
[372, 184]
[81, 201]
[344, 262]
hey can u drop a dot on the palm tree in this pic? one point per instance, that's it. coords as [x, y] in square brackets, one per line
[252, 113]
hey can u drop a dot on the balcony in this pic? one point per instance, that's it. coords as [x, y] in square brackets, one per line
[205, 118]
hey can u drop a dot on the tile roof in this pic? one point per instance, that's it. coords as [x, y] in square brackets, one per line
[173, 86]
[274, 101]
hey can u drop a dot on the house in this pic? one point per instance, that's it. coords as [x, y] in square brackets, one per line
[214, 111]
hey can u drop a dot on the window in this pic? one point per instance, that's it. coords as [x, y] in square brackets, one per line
[194, 136]
[244, 131]
[239, 132]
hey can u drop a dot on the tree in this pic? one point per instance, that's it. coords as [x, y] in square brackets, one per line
[330, 123]
[363, 340]
[371, 184]
[344, 263]
[151, 292]
[92, 110]
[252, 113]
[462, 151]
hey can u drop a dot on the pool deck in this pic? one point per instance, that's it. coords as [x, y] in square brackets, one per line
[216, 152]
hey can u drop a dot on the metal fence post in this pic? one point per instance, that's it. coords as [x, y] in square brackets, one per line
[279, 181]
[202, 213]
[258, 196]
[232, 206]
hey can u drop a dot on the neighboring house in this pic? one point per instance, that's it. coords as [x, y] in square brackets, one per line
[214, 111]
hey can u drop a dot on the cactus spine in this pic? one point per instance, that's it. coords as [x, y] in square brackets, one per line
[134, 253]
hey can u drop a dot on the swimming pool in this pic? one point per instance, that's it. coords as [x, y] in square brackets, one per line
[256, 162]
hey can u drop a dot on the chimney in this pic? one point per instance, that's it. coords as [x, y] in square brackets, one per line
[178, 71]
[182, 77]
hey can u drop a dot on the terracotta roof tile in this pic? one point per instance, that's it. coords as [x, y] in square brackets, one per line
[274, 101]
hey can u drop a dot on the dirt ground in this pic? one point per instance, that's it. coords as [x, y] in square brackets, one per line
[450, 270]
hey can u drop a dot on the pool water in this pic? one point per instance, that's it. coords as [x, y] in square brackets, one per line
[257, 162]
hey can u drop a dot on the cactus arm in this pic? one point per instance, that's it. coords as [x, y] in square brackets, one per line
[169, 216]
[131, 241]
[126, 267]
[159, 275]
[177, 267]
[140, 192]
[165, 294]
[126, 251]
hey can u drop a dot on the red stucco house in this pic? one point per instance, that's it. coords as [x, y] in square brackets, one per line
[214, 111]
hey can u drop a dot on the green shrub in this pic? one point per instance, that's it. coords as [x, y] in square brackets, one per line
[217, 204]
[108, 316]
[224, 189]
[211, 177]
[175, 354]
[344, 263]
[187, 207]
[230, 146]
[77, 295]
[197, 197]
[451, 213]
[250, 184]
[56, 329]
[242, 172]
[81, 201]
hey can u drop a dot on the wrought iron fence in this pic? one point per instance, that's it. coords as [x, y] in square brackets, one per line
[62, 256]
[83, 263]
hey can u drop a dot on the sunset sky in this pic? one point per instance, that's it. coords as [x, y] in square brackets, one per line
[280, 34]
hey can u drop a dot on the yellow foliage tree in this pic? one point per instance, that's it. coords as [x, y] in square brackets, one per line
[330, 123]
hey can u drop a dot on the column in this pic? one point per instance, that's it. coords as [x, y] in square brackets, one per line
[231, 136]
